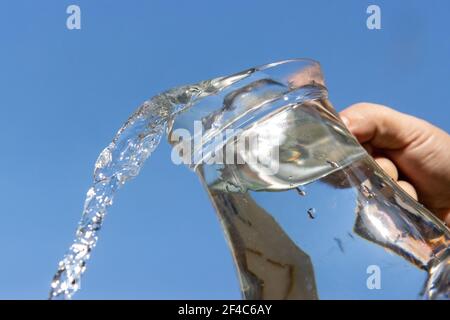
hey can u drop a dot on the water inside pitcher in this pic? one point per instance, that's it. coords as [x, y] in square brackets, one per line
[306, 211]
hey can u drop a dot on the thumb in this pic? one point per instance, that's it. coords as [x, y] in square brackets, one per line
[383, 127]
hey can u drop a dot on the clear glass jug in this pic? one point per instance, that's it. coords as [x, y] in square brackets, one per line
[307, 212]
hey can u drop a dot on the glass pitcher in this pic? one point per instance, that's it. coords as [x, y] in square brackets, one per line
[306, 211]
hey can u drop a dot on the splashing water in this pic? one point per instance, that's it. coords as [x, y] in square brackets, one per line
[119, 162]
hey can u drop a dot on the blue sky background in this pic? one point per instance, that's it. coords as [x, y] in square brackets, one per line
[63, 95]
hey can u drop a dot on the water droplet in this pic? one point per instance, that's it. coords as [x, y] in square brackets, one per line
[333, 164]
[340, 244]
[367, 192]
[311, 213]
[290, 183]
[301, 191]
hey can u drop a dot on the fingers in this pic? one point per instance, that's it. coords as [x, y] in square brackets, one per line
[389, 167]
[383, 127]
[408, 188]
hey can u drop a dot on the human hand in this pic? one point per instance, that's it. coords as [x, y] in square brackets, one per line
[419, 150]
